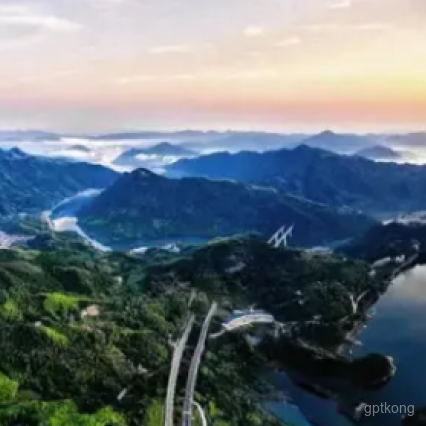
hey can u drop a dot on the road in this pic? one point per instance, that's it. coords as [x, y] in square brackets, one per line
[193, 369]
[174, 371]
[201, 412]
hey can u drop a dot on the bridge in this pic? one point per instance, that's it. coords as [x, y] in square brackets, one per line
[248, 317]
[193, 369]
[174, 371]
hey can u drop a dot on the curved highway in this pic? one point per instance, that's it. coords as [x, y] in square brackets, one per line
[193, 370]
[174, 371]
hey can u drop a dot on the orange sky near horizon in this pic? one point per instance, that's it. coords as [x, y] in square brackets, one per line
[295, 65]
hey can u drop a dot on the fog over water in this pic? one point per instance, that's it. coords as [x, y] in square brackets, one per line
[104, 152]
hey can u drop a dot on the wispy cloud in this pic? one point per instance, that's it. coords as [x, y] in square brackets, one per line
[253, 31]
[368, 26]
[15, 15]
[289, 41]
[340, 4]
[254, 74]
[25, 41]
[154, 77]
[161, 50]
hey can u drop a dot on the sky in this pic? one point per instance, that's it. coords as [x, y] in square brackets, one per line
[288, 65]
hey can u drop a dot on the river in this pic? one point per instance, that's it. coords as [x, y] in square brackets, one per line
[398, 329]
[62, 218]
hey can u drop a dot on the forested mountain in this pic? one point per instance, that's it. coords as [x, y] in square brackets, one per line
[144, 206]
[321, 176]
[390, 240]
[138, 157]
[29, 183]
[78, 327]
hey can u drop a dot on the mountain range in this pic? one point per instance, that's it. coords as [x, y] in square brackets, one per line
[160, 153]
[31, 184]
[144, 206]
[338, 143]
[379, 152]
[319, 175]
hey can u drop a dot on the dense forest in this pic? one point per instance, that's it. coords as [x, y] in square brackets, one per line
[142, 206]
[77, 327]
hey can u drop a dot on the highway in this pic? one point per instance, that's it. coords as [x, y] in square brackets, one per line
[193, 369]
[174, 371]
[202, 415]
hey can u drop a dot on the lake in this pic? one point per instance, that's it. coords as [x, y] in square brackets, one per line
[398, 329]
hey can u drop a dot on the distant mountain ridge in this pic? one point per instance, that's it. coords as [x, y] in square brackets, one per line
[142, 205]
[322, 176]
[339, 143]
[153, 157]
[28, 135]
[379, 152]
[163, 149]
[31, 184]
[81, 148]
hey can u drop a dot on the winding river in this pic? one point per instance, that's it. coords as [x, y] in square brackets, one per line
[63, 218]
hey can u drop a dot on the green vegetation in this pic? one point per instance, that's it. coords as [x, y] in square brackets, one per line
[30, 184]
[60, 303]
[271, 279]
[10, 311]
[63, 413]
[319, 175]
[155, 414]
[381, 241]
[71, 369]
[142, 206]
[8, 388]
[55, 336]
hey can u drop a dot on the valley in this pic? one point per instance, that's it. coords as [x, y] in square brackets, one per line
[148, 252]
[212, 213]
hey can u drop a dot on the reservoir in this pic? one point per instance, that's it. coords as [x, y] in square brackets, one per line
[397, 329]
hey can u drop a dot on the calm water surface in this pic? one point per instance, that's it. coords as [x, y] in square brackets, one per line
[398, 329]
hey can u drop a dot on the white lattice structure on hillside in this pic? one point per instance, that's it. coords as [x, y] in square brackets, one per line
[281, 236]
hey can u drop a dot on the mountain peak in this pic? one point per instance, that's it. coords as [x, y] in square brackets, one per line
[17, 153]
[140, 174]
[143, 173]
[327, 133]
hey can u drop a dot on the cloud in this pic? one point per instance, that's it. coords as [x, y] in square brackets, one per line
[160, 50]
[340, 4]
[253, 31]
[155, 77]
[254, 74]
[24, 41]
[289, 41]
[255, 54]
[258, 74]
[20, 16]
[369, 26]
